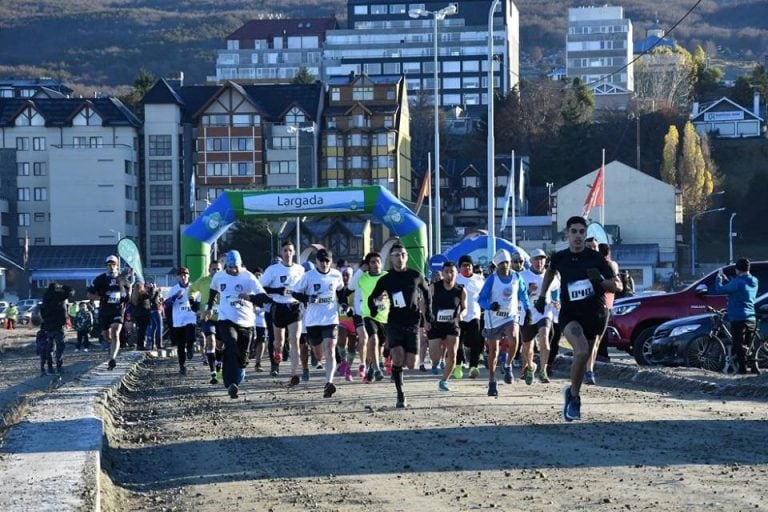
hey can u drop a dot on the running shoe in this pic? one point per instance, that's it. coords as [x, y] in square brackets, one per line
[492, 391]
[342, 368]
[458, 372]
[508, 378]
[219, 375]
[401, 403]
[474, 372]
[443, 385]
[422, 368]
[213, 380]
[572, 405]
[183, 370]
[319, 366]
[528, 374]
[278, 357]
[368, 376]
[305, 375]
[233, 390]
[274, 371]
[258, 368]
[111, 365]
[348, 374]
[543, 377]
[589, 378]
[329, 390]
[378, 376]
[361, 371]
[435, 369]
[294, 381]
[442, 364]
[77, 349]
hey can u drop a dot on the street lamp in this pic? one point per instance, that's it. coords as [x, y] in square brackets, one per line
[731, 234]
[491, 141]
[693, 236]
[295, 130]
[449, 10]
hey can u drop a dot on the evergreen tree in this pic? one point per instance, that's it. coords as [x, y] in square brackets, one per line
[304, 77]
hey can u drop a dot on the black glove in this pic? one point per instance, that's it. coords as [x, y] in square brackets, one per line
[594, 276]
[495, 306]
[540, 304]
[527, 320]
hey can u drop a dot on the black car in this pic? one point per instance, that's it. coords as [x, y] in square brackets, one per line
[677, 342]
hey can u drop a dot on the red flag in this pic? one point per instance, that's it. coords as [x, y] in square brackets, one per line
[423, 191]
[596, 195]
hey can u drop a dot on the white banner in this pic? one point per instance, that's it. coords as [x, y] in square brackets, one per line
[736, 115]
[293, 203]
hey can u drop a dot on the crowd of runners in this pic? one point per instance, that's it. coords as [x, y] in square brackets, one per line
[364, 322]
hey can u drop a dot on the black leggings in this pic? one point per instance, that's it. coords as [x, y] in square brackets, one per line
[472, 338]
[184, 339]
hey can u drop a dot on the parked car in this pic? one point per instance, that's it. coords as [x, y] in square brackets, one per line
[30, 314]
[27, 302]
[676, 343]
[634, 319]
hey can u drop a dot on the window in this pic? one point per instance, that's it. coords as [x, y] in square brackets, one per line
[397, 9]
[22, 169]
[358, 162]
[161, 220]
[469, 82]
[391, 68]
[284, 142]
[39, 240]
[283, 167]
[38, 144]
[217, 144]
[385, 139]
[295, 117]
[389, 121]
[40, 168]
[128, 217]
[469, 203]
[359, 121]
[332, 162]
[22, 143]
[40, 217]
[97, 142]
[160, 195]
[220, 169]
[372, 68]
[215, 120]
[378, 9]
[361, 9]
[79, 142]
[385, 162]
[87, 117]
[357, 139]
[242, 144]
[41, 194]
[25, 219]
[246, 119]
[335, 94]
[362, 93]
[159, 170]
[159, 145]
[243, 168]
[22, 194]
[451, 66]
[161, 244]
[471, 66]
[331, 122]
[128, 192]
[29, 117]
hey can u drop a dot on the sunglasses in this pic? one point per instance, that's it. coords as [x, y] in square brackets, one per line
[323, 260]
[111, 263]
[517, 261]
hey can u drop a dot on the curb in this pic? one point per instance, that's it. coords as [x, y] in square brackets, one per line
[52, 459]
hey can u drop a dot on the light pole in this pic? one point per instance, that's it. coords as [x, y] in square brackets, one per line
[731, 234]
[491, 142]
[438, 15]
[295, 130]
[693, 236]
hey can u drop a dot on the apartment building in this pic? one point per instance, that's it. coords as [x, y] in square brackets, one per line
[202, 140]
[382, 38]
[70, 171]
[599, 51]
[273, 50]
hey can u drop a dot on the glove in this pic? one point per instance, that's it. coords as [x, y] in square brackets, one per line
[527, 320]
[495, 306]
[594, 276]
[540, 304]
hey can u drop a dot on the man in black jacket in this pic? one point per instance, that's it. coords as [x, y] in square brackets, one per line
[53, 312]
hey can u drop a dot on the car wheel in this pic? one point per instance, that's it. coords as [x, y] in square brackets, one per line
[705, 352]
[641, 347]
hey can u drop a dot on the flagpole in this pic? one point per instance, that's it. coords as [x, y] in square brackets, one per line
[430, 246]
[513, 198]
[602, 193]
[507, 198]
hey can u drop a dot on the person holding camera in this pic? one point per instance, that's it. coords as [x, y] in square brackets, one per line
[741, 291]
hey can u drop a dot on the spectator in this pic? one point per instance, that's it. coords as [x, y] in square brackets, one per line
[53, 312]
[83, 324]
[11, 315]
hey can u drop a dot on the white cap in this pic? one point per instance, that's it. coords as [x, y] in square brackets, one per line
[501, 256]
[538, 253]
[112, 259]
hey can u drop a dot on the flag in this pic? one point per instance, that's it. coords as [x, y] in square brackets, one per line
[520, 185]
[192, 191]
[25, 253]
[423, 191]
[595, 196]
[508, 195]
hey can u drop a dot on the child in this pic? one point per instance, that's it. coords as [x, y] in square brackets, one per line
[83, 326]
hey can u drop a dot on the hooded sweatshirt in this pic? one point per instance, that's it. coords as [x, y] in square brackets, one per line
[742, 291]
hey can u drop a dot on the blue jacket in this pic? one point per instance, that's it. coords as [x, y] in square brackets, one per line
[742, 291]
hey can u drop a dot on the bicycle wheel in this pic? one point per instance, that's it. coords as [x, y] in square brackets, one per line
[761, 354]
[706, 352]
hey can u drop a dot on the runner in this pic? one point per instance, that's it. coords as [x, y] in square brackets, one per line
[347, 345]
[112, 290]
[540, 325]
[319, 289]
[374, 320]
[277, 280]
[500, 297]
[448, 303]
[211, 345]
[409, 299]
[260, 329]
[185, 305]
[584, 278]
[469, 325]
[357, 317]
[239, 290]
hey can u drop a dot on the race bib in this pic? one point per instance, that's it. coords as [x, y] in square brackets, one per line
[113, 297]
[398, 300]
[445, 315]
[237, 303]
[380, 306]
[502, 313]
[185, 308]
[580, 290]
[324, 300]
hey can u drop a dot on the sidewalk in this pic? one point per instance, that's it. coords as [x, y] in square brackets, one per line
[51, 460]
